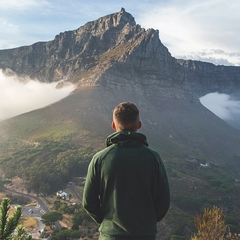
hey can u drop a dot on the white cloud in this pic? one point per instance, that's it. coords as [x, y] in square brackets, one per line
[221, 105]
[20, 95]
[20, 5]
[216, 56]
[191, 26]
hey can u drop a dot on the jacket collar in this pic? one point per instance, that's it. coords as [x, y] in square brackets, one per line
[126, 139]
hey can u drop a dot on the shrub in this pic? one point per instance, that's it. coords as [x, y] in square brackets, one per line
[211, 225]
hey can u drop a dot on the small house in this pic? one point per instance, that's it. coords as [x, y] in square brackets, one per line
[62, 194]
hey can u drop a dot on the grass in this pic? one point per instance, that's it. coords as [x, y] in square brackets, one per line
[2, 195]
[66, 222]
[31, 204]
[29, 223]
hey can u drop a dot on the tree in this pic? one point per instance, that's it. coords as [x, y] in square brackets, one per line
[68, 234]
[9, 224]
[21, 234]
[80, 216]
[51, 217]
[211, 225]
[56, 204]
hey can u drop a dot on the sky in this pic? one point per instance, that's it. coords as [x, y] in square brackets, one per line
[206, 30]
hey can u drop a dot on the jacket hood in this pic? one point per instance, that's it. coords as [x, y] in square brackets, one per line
[126, 139]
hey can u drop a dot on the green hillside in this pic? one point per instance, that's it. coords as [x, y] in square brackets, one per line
[50, 146]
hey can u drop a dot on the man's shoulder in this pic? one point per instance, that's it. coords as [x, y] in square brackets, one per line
[153, 152]
[103, 152]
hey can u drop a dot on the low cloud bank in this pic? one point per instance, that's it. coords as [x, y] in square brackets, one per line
[222, 105]
[20, 95]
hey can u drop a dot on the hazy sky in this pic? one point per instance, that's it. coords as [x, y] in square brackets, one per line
[205, 30]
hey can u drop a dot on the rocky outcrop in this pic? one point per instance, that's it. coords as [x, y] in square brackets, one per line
[73, 52]
[115, 52]
[206, 77]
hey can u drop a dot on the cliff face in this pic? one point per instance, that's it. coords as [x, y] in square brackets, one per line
[71, 52]
[210, 78]
[114, 51]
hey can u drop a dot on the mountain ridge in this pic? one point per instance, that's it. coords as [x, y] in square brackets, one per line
[116, 41]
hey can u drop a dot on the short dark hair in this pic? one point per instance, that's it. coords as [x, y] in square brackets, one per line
[126, 113]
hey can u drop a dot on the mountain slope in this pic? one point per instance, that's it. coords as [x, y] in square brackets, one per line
[186, 134]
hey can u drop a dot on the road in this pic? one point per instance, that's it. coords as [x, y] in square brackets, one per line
[35, 212]
[75, 195]
[40, 209]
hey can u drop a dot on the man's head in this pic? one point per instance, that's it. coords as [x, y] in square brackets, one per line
[126, 117]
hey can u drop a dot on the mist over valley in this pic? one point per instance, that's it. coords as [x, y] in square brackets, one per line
[20, 95]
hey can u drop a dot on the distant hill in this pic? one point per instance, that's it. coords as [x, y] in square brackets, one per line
[111, 60]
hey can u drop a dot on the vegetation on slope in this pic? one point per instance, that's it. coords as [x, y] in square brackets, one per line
[50, 146]
[47, 166]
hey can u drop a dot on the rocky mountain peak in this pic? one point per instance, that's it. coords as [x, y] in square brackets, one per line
[75, 54]
[113, 20]
[115, 52]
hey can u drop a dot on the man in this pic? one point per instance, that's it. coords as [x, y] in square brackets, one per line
[126, 190]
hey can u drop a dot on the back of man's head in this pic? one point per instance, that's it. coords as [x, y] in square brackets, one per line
[126, 116]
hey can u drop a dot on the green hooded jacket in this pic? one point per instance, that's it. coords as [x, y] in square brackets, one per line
[126, 189]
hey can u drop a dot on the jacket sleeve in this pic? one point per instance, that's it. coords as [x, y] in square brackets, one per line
[91, 201]
[163, 192]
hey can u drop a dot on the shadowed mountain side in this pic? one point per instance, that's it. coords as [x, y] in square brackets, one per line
[171, 124]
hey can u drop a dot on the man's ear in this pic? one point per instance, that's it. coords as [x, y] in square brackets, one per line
[139, 124]
[113, 126]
